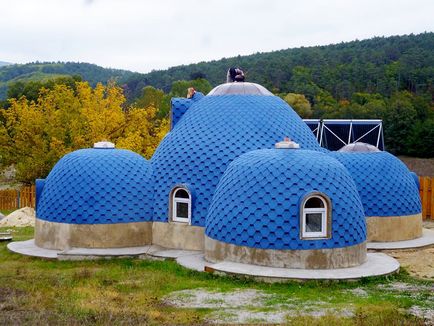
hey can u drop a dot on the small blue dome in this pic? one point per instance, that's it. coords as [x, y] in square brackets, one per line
[98, 186]
[385, 184]
[257, 202]
[214, 131]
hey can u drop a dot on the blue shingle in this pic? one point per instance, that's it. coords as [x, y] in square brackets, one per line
[213, 132]
[255, 215]
[94, 186]
[386, 186]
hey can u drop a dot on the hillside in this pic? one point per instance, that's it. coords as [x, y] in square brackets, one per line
[49, 70]
[4, 63]
[378, 65]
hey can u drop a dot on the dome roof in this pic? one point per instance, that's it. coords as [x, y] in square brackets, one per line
[240, 88]
[257, 202]
[359, 147]
[214, 131]
[97, 186]
[385, 185]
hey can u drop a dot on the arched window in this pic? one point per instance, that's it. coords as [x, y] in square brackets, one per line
[181, 205]
[315, 217]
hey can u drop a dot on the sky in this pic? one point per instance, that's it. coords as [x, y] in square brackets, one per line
[143, 35]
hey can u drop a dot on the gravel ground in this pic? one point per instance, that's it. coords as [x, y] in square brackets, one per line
[254, 306]
[249, 306]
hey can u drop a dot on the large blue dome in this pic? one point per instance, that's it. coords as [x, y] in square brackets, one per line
[212, 132]
[385, 185]
[257, 202]
[98, 186]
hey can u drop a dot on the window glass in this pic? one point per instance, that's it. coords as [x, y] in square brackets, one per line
[314, 202]
[182, 210]
[181, 193]
[314, 222]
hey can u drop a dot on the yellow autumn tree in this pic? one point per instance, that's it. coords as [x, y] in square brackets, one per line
[35, 135]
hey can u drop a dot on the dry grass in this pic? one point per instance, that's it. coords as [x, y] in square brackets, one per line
[132, 291]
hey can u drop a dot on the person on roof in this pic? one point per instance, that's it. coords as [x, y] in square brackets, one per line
[235, 75]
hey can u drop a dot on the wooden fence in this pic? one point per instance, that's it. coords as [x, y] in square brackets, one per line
[14, 199]
[427, 196]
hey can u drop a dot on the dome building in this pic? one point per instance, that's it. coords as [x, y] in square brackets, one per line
[388, 193]
[286, 207]
[95, 198]
[222, 182]
[232, 119]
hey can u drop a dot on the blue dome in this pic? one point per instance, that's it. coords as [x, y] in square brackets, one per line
[385, 184]
[98, 186]
[257, 202]
[214, 131]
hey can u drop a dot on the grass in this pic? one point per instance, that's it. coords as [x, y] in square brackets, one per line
[6, 211]
[130, 291]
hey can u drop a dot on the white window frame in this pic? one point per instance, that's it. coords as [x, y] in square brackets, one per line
[324, 219]
[175, 200]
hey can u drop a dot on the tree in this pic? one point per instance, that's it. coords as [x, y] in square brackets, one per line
[399, 121]
[421, 139]
[302, 82]
[30, 89]
[155, 98]
[180, 87]
[300, 104]
[34, 135]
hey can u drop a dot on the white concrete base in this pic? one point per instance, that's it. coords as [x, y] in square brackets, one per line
[377, 264]
[195, 262]
[426, 240]
[173, 253]
[29, 248]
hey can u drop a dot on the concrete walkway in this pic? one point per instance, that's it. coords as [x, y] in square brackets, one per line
[29, 248]
[377, 263]
[426, 240]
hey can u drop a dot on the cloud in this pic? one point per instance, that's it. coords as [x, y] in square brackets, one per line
[145, 35]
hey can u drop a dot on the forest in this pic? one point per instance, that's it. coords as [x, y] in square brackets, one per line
[49, 109]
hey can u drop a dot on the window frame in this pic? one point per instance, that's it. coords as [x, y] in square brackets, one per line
[325, 212]
[173, 207]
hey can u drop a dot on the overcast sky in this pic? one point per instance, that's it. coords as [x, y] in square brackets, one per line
[142, 35]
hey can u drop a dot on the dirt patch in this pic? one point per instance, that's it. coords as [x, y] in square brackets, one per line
[20, 218]
[9, 300]
[7, 293]
[359, 292]
[401, 286]
[421, 166]
[427, 314]
[250, 306]
[419, 263]
[201, 298]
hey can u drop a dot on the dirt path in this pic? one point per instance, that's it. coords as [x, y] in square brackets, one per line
[419, 263]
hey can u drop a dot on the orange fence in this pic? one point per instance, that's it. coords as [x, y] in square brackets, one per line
[13, 199]
[427, 196]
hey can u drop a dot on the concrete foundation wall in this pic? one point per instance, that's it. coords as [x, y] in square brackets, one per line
[216, 251]
[52, 235]
[394, 228]
[178, 236]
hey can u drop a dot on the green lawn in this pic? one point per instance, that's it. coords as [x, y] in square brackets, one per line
[131, 291]
[6, 211]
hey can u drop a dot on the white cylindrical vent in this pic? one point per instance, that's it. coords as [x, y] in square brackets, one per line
[286, 144]
[103, 144]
